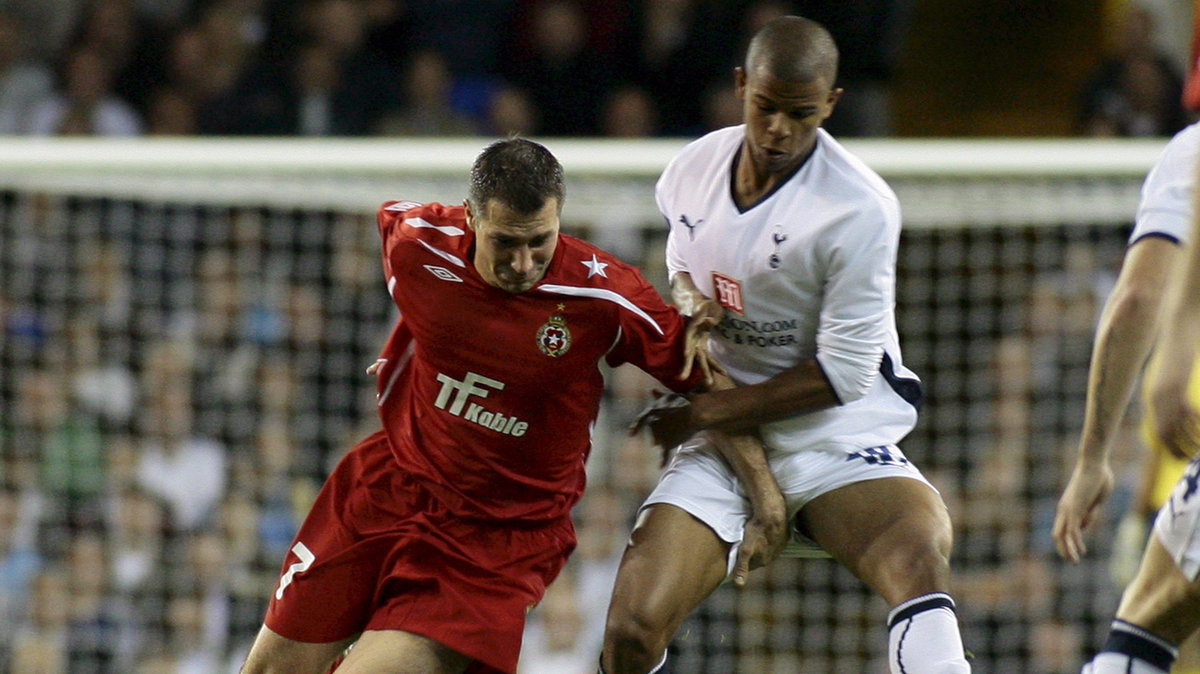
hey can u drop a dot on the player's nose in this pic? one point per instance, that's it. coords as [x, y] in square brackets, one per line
[777, 125]
[522, 261]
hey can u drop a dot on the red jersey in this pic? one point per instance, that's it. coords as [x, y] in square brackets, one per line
[489, 397]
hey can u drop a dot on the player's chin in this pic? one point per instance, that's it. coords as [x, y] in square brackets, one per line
[776, 161]
[517, 286]
[514, 284]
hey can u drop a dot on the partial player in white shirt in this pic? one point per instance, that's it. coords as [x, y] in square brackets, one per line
[1148, 309]
[786, 244]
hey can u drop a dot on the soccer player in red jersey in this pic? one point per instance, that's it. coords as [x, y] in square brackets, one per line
[434, 536]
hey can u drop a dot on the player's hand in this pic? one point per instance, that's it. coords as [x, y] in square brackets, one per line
[1176, 420]
[706, 314]
[765, 536]
[1090, 485]
[373, 368]
[669, 419]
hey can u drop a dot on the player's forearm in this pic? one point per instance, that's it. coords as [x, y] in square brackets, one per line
[800, 390]
[1123, 341]
[1122, 345]
[746, 456]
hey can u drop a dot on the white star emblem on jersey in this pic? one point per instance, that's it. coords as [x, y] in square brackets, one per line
[595, 266]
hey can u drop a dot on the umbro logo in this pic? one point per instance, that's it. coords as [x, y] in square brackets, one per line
[443, 273]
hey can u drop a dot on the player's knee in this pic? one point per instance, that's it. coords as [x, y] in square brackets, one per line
[923, 563]
[637, 635]
[917, 564]
[940, 541]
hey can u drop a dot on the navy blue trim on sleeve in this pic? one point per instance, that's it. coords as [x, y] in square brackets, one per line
[1160, 235]
[906, 388]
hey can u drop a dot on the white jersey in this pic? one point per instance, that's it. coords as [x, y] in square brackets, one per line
[1178, 522]
[1166, 205]
[807, 271]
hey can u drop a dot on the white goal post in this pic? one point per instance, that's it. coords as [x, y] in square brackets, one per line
[1018, 180]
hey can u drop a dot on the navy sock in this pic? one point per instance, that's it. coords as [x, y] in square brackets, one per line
[1141, 644]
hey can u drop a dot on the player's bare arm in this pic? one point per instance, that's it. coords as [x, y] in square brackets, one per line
[766, 532]
[1123, 341]
[1177, 421]
[800, 390]
[703, 315]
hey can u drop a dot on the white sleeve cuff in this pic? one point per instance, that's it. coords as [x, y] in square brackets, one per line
[850, 367]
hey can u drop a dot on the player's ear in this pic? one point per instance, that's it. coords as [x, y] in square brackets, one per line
[469, 213]
[739, 82]
[835, 94]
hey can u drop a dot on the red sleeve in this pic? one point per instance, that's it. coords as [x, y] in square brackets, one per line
[652, 338]
[389, 219]
[403, 221]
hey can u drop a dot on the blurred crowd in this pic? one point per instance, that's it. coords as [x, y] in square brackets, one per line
[172, 384]
[618, 68]
[1137, 89]
[409, 67]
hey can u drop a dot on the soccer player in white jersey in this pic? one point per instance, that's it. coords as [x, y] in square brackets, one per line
[792, 241]
[1153, 617]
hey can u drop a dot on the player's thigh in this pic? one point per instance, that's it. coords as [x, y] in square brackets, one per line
[672, 563]
[1161, 598]
[275, 654]
[398, 652]
[894, 533]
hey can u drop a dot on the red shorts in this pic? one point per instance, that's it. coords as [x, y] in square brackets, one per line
[377, 552]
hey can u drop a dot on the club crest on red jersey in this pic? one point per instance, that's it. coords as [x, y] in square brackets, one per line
[553, 338]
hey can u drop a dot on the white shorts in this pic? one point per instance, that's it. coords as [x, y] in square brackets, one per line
[1178, 522]
[698, 481]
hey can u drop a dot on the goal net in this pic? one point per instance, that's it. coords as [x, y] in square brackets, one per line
[186, 323]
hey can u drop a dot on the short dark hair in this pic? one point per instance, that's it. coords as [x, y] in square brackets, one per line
[518, 172]
[794, 49]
